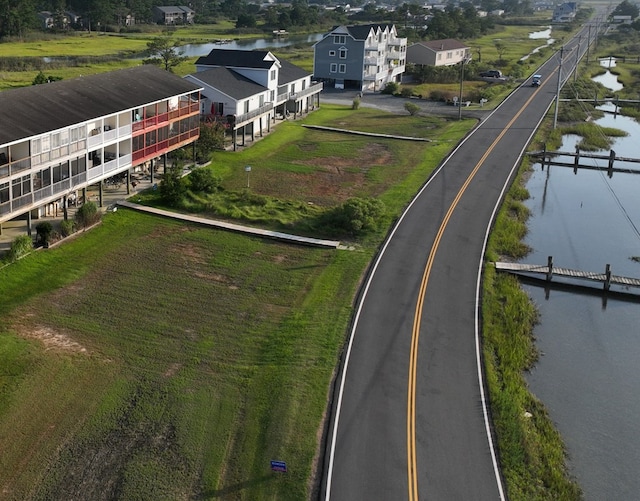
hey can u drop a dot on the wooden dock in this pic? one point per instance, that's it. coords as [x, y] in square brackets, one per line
[548, 271]
[549, 158]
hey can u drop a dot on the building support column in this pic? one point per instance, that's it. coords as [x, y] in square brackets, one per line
[100, 188]
[65, 210]
[29, 223]
[128, 181]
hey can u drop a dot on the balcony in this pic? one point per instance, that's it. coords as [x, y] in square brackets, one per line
[371, 61]
[14, 167]
[313, 89]
[247, 117]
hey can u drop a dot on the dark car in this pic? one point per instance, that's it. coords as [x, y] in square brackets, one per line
[491, 74]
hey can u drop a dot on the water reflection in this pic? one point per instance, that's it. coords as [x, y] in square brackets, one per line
[539, 35]
[193, 50]
[588, 376]
[609, 80]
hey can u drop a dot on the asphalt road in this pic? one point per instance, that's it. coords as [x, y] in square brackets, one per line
[409, 418]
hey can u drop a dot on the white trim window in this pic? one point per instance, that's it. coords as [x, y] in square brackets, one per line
[343, 68]
[333, 68]
[332, 53]
[339, 39]
[343, 53]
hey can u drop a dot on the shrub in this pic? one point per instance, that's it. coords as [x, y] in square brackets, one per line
[87, 214]
[67, 227]
[390, 88]
[43, 233]
[412, 108]
[203, 180]
[356, 103]
[406, 92]
[356, 215]
[21, 246]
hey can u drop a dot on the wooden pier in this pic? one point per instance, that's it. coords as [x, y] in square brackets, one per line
[549, 158]
[548, 271]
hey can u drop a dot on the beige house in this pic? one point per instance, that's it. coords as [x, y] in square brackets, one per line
[438, 53]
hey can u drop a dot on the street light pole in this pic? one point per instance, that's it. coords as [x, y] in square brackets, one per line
[247, 169]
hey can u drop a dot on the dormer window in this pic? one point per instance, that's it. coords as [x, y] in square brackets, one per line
[339, 39]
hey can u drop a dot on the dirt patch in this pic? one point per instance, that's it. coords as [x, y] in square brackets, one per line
[51, 339]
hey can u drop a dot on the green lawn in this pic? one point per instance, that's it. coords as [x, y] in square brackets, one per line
[157, 360]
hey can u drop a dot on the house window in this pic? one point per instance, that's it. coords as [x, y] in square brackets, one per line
[332, 53]
[304, 84]
[333, 68]
[261, 99]
[273, 95]
[343, 53]
[439, 56]
[292, 90]
[339, 39]
[449, 55]
[273, 74]
[246, 106]
[343, 68]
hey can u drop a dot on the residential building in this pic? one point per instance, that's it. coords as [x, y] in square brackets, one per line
[565, 13]
[178, 14]
[364, 57]
[61, 137]
[445, 52]
[248, 90]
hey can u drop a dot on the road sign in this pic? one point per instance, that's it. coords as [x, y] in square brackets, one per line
[280, 466]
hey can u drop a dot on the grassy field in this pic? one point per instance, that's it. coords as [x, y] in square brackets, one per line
[155, 360]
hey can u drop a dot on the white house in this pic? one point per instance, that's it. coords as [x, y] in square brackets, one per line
[445, 52]
[247, 90]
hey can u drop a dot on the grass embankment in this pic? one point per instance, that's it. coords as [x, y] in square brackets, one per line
[150, 359]
[532, 454]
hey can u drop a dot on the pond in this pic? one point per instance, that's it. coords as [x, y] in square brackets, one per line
[194, 50]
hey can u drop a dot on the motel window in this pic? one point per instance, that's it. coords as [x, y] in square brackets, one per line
[343, 53]
[343, 68]
[333, 68]
[55, 140]
[64, 137]
[4, 193]
[150, 138]
[137, 142]
[21, 186]
[36, 146]
[78, 166]
[163, 133]
[46, 143]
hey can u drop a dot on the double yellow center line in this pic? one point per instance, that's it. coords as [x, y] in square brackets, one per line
[412, 468]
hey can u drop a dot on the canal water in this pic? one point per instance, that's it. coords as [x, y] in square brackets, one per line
[193, 50]
[588, 374]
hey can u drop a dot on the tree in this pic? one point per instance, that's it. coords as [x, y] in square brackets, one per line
[501, 48]
[626, 8]
[246, 21]
[165, 52]
[412, 108]
[211, 139]
[173, 188]
[16, 17]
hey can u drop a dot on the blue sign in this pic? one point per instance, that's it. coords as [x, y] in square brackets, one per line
[279, 466]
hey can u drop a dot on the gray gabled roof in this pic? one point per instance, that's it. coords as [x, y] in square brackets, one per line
[229, 82]
[361, 31]
[238, 58]
[290, 73]
[169, 9]
[440, 45]
[33, 110]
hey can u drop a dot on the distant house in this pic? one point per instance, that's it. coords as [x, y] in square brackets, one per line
[565, 13]
[247, 90]
[445, 52]
[621, 19]
[364, 57]
[179, 14]
[46, 19]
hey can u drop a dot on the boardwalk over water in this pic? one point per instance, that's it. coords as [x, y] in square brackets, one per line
[549, 271]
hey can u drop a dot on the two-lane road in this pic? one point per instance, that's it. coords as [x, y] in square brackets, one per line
[410, 415]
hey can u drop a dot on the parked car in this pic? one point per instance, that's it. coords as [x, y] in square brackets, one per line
[535, 80]
[491, 74]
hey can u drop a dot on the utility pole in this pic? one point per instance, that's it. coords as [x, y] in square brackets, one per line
[575, 70]
[588, 43]
[462, 63]
[555, 112]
